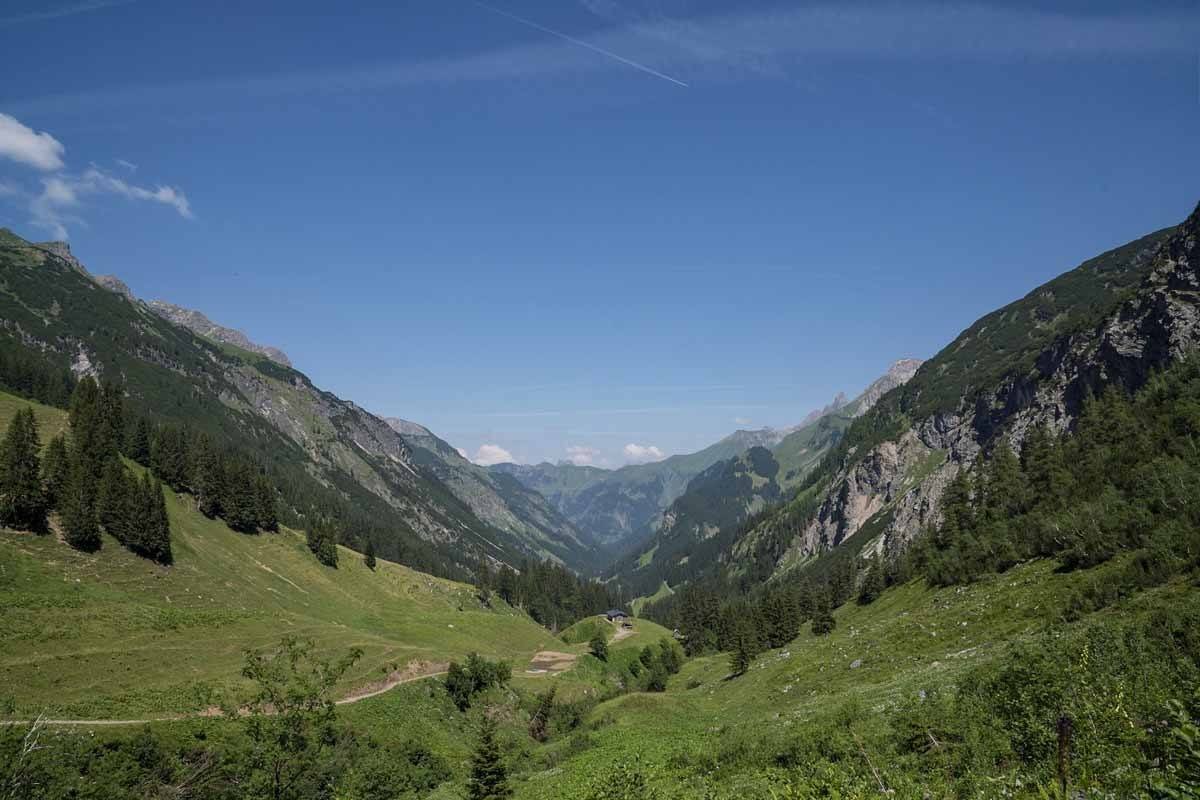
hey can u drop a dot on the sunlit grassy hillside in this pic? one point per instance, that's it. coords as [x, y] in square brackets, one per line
[113, 635]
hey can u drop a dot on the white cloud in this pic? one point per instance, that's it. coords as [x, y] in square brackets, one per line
[62, 192]
[742, 420]
[489, 454]
[642, 454]
[582, 456]
[23, 145]
[463, 453]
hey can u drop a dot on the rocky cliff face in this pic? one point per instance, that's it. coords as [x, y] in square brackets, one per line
[1144, 329]
[199, 324]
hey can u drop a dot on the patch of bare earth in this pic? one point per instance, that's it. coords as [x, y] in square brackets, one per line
[550, 662]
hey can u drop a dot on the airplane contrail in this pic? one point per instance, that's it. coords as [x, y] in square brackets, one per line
[628, 62]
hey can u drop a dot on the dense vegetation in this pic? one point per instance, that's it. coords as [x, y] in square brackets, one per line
[551, 594]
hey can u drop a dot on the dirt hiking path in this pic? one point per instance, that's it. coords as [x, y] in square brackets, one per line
[416, 671]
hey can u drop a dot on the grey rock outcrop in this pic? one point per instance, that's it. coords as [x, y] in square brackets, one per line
[198, 323]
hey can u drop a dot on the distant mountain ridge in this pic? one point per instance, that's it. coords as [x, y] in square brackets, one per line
[624, 506]
[702, 524]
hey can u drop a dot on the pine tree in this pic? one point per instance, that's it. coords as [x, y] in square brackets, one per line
[240, 501]
[1004, 488]
[743, 651]
[22, 500]
[115, 499]
[55, 467]
[137, 444]
[369, 555]
[266, 504]
[322, 540]
[208, 477]
[158, 539]
[823, 621]
[873, 583]
[489, 776]
[169, 457]
[78, 509]
[112, 417]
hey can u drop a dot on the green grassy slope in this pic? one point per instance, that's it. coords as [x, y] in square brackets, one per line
[711, 736]
[113, 635]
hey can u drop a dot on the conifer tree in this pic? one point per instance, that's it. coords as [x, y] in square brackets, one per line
[22, 500]
[240, 503]
[743, 651]
[782, 615]
[1004, 484]
[873, 584]
[137, 444]
[267, 505]
[369, 555]
[158, 538]
[78, 508]
[823, 621]
[208, 477]
[55, 467]
[169, 457]
[322, 540]
[489, 776]
[112, 417]
[115, 504]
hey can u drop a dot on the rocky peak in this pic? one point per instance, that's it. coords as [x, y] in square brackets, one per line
[406, 428]
[898, 374]
[199, 324]
[63, 251]
[839, 401]
[115, 284]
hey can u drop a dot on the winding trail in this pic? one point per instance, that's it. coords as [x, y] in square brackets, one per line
[408, 675]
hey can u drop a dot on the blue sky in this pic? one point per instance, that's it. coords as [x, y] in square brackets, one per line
[557, 229]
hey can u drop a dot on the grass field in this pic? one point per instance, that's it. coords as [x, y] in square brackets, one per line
[913, 639]
[638, 603]
[112, 635]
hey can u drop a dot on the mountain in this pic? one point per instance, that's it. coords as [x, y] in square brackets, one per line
[318, 448]
[621, 505]
[499, 499]
[199, 324]
[1113, 320]
[703, 522]
[624, 506]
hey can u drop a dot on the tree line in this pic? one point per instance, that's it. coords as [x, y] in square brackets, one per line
[83, 476]
[551, 594]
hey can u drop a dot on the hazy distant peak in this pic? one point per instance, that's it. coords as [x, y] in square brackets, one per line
[839, 401]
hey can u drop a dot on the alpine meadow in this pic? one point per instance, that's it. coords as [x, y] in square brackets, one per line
[739, 473]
